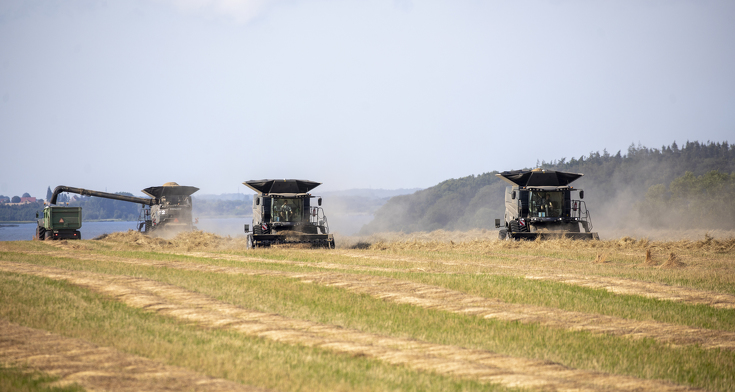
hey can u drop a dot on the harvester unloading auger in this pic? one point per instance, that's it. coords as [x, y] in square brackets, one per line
[540, 204]
[170, 205]
[283, 214]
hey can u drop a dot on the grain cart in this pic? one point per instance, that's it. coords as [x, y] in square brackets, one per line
[169, 205]
[541, 204]
[59, 223]
[283, 214]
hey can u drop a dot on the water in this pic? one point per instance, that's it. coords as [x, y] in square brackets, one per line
[25, 231]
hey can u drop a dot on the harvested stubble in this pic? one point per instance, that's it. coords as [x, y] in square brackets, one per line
[190, 240]
[673, 262]
[648, 262]
[708, 244]
[193, 308]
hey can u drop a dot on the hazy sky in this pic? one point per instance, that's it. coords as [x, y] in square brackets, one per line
[123, 95]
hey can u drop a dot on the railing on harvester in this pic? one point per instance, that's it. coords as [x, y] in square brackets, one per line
[579, 210]
[317, 218]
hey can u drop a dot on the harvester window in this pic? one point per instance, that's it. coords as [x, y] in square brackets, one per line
[286, 210]
[545, 204]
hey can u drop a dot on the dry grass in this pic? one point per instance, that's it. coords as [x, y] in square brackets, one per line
[649, 262]
[429, 241]
[463, 289]
[673, 262]
[190, 240]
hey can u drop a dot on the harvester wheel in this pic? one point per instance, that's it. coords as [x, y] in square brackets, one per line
[503, 235]
[48, 235]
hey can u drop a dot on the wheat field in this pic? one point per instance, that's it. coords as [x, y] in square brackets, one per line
[437, 311]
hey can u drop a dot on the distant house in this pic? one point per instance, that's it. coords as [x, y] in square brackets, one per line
[4, 199]
[25, 200]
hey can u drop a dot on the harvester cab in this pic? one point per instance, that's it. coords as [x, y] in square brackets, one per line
[283, 214]
[541, 204]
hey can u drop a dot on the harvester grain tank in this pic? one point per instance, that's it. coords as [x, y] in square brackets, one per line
[541, 204]
[283, 214]
[169, 205]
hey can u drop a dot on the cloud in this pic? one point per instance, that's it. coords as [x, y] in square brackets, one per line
[241, 11]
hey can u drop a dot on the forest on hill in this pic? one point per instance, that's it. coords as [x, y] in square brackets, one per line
[692, 186]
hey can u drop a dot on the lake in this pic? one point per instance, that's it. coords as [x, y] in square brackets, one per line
[25, 231]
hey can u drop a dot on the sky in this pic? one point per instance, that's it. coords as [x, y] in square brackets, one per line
[122, 95]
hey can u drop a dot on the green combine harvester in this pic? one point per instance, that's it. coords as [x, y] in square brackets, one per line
[283, 214]
[541, 204]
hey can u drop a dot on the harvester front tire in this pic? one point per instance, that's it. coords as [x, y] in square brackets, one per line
[48, 235]
[503, 235]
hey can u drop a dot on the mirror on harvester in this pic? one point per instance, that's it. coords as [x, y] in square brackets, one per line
[513, 195]
[257, 201]
[581, 194]
[319, 201]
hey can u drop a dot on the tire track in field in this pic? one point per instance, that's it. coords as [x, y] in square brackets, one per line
[654, 290]
[204, 311]
[99, 368]
[440, 298]
[658, 291]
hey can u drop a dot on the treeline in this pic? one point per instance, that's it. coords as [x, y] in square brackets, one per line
[20, 213]
[99, 208]
[207, 208]
[93, 208]
[615, 187]
[454, 204]
[689, 201]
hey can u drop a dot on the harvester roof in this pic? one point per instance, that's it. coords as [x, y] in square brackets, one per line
[169, 189]
[539, 177]
[281, 186]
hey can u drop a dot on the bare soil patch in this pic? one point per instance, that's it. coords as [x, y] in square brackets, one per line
[194, 308]
[98, 368]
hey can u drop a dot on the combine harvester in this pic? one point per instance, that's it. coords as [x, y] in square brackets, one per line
[540, 204]
[170, 206]
[283, 214]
